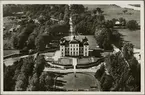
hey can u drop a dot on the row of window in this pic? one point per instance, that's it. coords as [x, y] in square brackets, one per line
[74, 53]
[74, 49]
[74, 45]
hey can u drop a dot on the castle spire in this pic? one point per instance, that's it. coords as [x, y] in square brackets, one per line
[70, 20]
[70, 23]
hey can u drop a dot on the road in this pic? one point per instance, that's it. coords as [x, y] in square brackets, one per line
[61, 70]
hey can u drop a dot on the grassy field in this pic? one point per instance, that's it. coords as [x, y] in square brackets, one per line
[8, 52]
[131, 36]
[112, 11]
[82, 81]
[8, 23]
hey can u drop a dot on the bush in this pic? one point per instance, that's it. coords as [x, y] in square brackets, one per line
[132, 25]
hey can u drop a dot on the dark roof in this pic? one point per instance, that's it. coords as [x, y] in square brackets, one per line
[62, 39]
[74, 41]
[86, 43]
[85, 39]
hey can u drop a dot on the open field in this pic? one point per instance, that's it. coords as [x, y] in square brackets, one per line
[114, 11]
[8, 52]
[131, 36]
[8, 23]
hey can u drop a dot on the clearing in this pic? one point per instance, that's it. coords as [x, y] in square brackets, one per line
[114, 11]
[131, 36]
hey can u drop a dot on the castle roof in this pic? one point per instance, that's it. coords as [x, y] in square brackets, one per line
[86, 43]
[74, 41]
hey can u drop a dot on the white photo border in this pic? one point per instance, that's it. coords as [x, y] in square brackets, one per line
[75, 2]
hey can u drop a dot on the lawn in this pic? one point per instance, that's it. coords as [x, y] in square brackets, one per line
[82, 81]
[113, 11]
[85, 60]
[8, 52]
[131, 36]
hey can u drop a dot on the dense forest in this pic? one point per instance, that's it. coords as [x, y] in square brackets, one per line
[123, 72]
[33, 35]
[27, 74]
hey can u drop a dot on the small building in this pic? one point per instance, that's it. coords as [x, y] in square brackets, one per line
[118, 23]
[74, 47]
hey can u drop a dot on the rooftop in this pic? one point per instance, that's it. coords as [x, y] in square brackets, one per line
[91, 40]
[74, 40]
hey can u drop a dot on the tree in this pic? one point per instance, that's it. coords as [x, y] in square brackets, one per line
[40, 43]
[136, 72]
[8, 81]
[122, 21]
[117, 39]
[61, 16]
[123, 79]
[88, 24]
[33, 83]
[99, 73]
[31, 42]
[109, 24]
[40, 64]
[106, 82]
[15, 41]
[77, 8]
[23, 36]
[97, 11]
[42, 81]
[132, 25]
[21, 82]
[28, 65]
[49, 82]
[124, 11]
[45, 81]
[127, 50]
[103, 38]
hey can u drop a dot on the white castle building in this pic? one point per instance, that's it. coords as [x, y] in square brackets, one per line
[74, 47]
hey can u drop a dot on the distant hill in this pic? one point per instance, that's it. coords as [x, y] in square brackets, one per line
[115, 11]
[136, 5]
